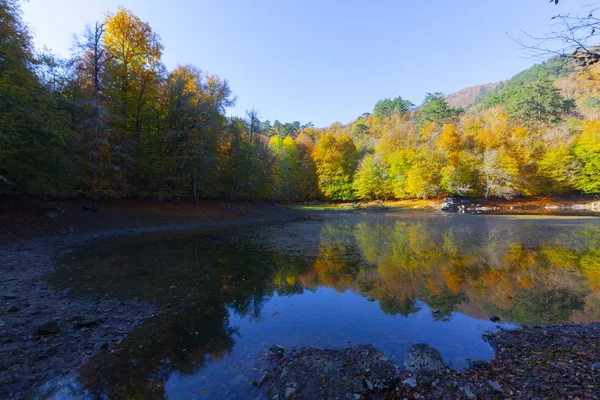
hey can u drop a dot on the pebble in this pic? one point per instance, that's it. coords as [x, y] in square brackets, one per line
[411, 381]
[48, 328]
[496, 386]
[468, 391]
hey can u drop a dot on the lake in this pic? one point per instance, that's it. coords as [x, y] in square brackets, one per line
[390, 279]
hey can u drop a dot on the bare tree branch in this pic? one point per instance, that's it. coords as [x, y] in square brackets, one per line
[575, 36]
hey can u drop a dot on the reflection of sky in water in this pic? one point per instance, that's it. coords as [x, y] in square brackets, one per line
[327, 319]
[388, 279]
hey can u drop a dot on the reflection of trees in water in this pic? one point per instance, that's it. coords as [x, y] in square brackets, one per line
[394, 306]
[499, 266]
[448, 266]
[197, 282]
[185, 340]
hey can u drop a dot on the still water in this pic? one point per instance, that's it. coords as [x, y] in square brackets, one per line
[390, 279]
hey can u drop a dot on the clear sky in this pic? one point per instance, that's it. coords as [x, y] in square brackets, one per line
[323, 61]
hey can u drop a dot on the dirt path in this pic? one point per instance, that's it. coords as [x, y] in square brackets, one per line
[45, 334]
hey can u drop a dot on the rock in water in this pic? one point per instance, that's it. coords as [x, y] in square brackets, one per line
[277, 350]
[49, 328]
[333, 374]
[423, 358]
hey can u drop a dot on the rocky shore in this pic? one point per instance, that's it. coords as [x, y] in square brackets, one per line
[457, 205]
[530, 363]
[46, 334]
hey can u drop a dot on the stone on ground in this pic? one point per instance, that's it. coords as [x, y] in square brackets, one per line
[353, 373]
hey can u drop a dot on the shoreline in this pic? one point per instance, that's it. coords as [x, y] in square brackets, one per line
[519, 205]
[558, 361]
[555, 361]
[46, 334]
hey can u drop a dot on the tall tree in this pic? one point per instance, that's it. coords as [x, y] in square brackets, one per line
[134, 52]
[90, 62]
[336, 160]
[387, 107]
[36, 143]
[436, 109]
[587, 151]
[538, 101]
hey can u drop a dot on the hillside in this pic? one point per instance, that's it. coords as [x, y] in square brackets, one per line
[465, 97]
[565, 74]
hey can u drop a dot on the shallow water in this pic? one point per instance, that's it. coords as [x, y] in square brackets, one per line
[389, 279]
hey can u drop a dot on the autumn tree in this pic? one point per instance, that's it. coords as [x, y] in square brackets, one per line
[336, 160]
[308, 182]
[499, 174]
[134, 52]
[587, 151]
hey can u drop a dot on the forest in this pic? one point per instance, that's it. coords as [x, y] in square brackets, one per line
[111, 121]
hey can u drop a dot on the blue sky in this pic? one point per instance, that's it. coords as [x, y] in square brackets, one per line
[323, 61]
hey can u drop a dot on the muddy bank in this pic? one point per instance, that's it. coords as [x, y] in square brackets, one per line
[530, 363]
[45, 334]
[29, 218]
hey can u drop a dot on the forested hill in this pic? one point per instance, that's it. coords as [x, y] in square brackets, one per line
[113, 121]
[574, 81]
[466, 97]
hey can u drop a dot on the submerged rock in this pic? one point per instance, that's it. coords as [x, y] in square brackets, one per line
[333, 374]
[277, 350]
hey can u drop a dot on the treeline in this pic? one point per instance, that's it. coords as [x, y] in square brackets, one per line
[526, 140]
[112, 121]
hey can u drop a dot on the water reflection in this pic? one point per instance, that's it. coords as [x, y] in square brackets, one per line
[526, 271]
[386, 279]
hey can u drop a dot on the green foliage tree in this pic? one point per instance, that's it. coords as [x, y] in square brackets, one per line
[287, 168]
[559, 168]
[370, 180]
[587, 151]
[538, 101]
[386, 107]
[37, 149]
[436, 109]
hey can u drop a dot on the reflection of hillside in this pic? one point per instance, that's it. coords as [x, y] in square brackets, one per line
[481, 270]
